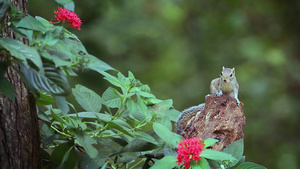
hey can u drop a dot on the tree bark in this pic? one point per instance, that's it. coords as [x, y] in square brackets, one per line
[221, 119]
[19, 130]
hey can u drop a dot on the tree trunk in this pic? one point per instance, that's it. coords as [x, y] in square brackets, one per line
[19, 130]
[221, 118]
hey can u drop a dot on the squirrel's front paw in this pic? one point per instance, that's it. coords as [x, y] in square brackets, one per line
[207, 96]
[219, 94]
[238, 102]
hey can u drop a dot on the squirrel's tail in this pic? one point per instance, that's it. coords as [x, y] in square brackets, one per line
[186, 115]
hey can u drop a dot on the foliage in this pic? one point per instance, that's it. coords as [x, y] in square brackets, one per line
[230, 158]
[115, 129]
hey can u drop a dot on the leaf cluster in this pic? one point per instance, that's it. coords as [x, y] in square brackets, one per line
[113, 127]
[53, 53]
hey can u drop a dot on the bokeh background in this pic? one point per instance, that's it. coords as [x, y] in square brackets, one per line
[178, 47]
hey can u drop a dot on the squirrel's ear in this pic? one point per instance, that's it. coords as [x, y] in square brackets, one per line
[233, 70]
[223, 67]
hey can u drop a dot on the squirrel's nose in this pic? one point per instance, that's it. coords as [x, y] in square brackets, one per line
[224, 80]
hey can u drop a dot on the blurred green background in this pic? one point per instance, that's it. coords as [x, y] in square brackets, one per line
[178, 47]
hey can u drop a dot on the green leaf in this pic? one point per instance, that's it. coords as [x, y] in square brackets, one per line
[138, 111]
[216, 155]
[64, 52]
[112, 98]
[133, 110]
[122, 122]
[81, 124]
[144, 136]
[88, 99]
[169, 150]
[201, 164]
[70, 159]
[44, 99]
[172, 114]
[49, 140]
[137, 145]
[52, 37]
[86, 142]
[73, 45]
[113, 80]
[128, 158]
[21, 51]
[60, 58]
[53, 81]
[119, 140]
[70, 35]
[242, 160]
[92, 115]
[91, 163]
[143, 109]
[98, 65]
[47, 130]
[165, 121]
[166, 135]
[250, 165]
[72, 123]
[48, 135]
[209, 142]
[104, 166]
[56, 117]
[45, 155]
[214, 163]
[45, 22]
[3, 67]
[118, 127]
[163, 109]
[68, 4]
[62, 2]
[31, 23]
[45, 115]
[236, 149]
[130, 75]
[63, 156]
[4, 6]
[122, 78]
[167, 162]
[146, 94]
[27, 33]
[163, 106]
[70, 72]
[62, 103]
[6, 88]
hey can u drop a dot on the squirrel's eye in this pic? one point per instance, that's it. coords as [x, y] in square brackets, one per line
[221, 74]
[230, 75]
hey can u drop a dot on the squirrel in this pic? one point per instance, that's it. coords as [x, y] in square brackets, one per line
[225, 84]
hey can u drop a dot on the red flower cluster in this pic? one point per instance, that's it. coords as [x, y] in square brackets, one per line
[67, 17]
[189, 150]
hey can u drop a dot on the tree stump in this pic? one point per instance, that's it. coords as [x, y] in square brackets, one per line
[222, 118]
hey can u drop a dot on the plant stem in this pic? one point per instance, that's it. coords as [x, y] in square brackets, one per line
[117, 114]
[143, 159]
[62, 133]
[118, 134]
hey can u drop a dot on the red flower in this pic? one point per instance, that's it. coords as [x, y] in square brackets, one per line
[189, 150]
[67, 18]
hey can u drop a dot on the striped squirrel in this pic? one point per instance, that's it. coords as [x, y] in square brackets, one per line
[225, 84]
